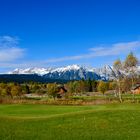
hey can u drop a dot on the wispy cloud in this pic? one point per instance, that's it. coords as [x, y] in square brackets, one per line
[115, 49]
[9, 49]
[10, 52]
[102, 51]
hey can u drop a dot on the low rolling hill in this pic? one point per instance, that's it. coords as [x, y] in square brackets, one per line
[98, 122]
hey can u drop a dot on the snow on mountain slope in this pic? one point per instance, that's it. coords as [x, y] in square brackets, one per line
[106, 72]
[40, 71]
[43, 71]
[67, 68]
[72, 72]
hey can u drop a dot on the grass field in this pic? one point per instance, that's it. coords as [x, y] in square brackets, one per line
[43, 122]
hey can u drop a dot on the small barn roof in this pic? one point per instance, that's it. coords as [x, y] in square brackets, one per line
[62, 87]
[135, 86]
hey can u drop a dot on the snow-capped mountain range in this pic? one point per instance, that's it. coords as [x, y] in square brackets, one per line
[72, 72]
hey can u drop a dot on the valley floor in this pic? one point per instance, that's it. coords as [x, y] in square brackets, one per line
[49, 122]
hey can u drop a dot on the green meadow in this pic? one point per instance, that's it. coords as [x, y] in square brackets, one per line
[44, 122]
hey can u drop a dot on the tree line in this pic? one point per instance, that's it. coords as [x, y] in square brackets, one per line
[125, 78]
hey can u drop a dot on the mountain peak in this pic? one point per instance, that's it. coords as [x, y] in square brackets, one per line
[67, 68]
[70, 72]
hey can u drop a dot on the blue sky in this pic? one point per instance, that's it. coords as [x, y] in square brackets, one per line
[43, 33]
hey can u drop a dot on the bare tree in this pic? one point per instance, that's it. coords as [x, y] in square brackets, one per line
[118, 67]
[130, 65]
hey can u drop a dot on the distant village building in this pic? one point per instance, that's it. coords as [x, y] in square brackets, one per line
[61, 92]
[136, 89]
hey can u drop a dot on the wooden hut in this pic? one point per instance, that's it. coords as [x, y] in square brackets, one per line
[61, 92]
[136, 89]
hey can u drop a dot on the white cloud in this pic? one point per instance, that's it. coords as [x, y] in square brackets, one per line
[9, 50]
[102, 51]
[97, 49]
[117, 49]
